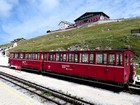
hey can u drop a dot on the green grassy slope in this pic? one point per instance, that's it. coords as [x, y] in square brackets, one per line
[138, 71]
[6, 45]
[110, 35]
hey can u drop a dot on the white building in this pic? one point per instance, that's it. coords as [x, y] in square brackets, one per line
[64, 24]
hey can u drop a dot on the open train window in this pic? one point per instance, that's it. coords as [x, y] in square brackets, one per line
[70, 57]
[111, 59]
[119, 59]
[84, 57]
[101, 58]
[59, 57]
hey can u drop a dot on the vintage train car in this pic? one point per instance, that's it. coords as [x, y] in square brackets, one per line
[104, 66]
[26, 60]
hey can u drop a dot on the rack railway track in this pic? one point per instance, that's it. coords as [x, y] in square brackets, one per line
[54, 96]
[132, 89]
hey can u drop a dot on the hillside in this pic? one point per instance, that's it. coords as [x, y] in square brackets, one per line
[5, 45]
[110, 35]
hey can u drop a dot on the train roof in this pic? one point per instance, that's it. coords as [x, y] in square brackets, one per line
[66, 51]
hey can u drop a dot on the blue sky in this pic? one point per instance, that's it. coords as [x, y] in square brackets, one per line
[31, 18]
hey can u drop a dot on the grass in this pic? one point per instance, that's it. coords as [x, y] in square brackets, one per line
[138, 70]
[110, 35]
[6, 45]
[47, 93]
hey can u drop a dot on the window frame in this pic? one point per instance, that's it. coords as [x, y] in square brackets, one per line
[102, 59]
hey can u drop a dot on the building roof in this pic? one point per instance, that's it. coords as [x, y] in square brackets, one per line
[95, 13]
[65, 22]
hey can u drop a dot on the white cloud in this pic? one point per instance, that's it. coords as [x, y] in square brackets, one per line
[6, 6]
[49, 4]
[43, 5]
[29, 28]
[31, 18]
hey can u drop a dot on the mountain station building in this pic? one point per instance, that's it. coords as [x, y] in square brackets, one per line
[90, 17]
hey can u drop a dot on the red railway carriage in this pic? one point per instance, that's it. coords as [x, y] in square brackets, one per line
[108, 65]
[115, 66]
[30, 60]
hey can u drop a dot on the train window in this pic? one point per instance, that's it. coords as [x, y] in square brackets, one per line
[16, 55]
[26, 56]
[64, 57]
[84, 58]
[101, 58]
[111, 59]
[40, 58]
[45, 57]
[131, 59]
[29, 56]
[21, 55]
[58, 57]
[119, 59]
[104, 58]
[12, 55]
[71, 57]
[76, 58]
[54, 57]
[50, 57]
[91, 58]
[126, 59]
[34, 56]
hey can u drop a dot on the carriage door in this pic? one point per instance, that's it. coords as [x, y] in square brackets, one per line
[101, 69]
[126, 66]
[110, 70]
[126, 61]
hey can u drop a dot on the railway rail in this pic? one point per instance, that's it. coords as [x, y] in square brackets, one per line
[134, 88]
[54, 96]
